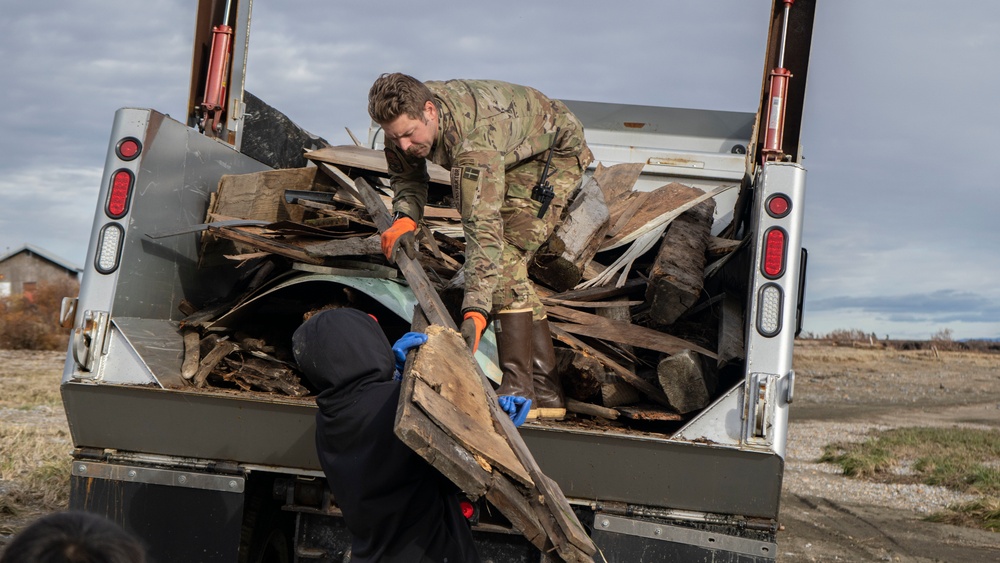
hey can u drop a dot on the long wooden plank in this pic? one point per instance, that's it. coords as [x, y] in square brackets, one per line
[623, 332]
[370, 159]
[264, 243]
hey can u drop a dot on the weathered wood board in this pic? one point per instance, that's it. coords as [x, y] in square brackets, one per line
[370, 159]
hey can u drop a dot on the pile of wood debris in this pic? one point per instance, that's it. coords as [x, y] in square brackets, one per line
[645, 304]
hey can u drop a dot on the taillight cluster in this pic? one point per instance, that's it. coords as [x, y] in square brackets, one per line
[109, 241]
[774, 255]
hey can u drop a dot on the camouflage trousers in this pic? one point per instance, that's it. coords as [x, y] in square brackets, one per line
[524, 233]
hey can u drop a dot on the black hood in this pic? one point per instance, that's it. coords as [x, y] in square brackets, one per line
[341, 349]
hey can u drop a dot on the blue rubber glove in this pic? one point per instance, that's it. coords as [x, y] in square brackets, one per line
[407, 342]
[516, 408]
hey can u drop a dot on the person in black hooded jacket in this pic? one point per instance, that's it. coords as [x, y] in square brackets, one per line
[398, 507]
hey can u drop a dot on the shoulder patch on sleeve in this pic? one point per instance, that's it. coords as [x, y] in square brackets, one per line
[392, 159]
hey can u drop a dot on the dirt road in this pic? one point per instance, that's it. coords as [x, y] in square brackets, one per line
[842, 393]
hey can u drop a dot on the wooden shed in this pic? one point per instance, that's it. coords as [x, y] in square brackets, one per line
[21, 270]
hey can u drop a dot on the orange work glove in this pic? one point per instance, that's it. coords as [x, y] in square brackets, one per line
[390, 237]
[473, 325]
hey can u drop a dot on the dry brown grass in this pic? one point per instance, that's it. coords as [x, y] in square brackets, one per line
[35, 445]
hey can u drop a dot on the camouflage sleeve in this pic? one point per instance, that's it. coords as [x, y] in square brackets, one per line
[408, 178]
[477, 182]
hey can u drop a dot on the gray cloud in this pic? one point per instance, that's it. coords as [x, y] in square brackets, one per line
[942, 306]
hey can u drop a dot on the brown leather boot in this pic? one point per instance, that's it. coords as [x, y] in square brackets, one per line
[551, 403]
[514, 352]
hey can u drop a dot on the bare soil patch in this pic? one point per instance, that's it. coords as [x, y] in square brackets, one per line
[841, 394]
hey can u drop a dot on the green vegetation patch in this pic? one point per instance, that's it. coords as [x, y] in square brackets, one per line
[961, 459]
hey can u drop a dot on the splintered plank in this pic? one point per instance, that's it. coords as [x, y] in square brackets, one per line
[369, 159]
[425, 438]
[264, 243]
[467, 431]
[622, 332]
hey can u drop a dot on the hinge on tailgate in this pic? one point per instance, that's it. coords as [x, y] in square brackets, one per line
[759, 408]
[90, 339]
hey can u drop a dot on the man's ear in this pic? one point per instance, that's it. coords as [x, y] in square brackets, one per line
[430, 110]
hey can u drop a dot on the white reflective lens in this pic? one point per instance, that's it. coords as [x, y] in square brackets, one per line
[769, 310]
[108, 248]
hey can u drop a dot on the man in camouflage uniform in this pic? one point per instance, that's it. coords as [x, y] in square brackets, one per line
[495, 138]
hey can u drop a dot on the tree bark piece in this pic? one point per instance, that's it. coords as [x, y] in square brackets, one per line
[678, 273]
[579, 407]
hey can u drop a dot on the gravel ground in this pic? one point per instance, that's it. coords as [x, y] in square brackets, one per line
[804, 476]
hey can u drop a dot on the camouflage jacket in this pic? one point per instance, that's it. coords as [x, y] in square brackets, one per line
[485, 127]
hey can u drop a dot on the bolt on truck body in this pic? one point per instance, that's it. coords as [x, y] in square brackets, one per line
[206, 475]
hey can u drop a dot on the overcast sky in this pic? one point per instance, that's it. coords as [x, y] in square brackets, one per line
[902, 110]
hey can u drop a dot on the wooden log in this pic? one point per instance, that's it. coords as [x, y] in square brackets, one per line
[683, 382]
[561, 261]
[579, 407]
[677, 275]
[192, 353]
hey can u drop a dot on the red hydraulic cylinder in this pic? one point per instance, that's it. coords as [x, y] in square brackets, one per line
[775, 133]
[215, 84]
[778, 97]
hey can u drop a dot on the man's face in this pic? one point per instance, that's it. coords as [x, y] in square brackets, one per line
[414, 136]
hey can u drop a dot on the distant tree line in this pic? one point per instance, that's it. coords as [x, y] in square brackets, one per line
[941, 340]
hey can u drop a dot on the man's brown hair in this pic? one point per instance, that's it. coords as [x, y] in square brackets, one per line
[394, 94]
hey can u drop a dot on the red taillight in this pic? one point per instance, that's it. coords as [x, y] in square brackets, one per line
[128, 148]
[774, 252]
[119, 194]
[468, 509]
[778, 206]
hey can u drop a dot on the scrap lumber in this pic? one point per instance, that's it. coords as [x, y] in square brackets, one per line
[371, 160]
[260, 195]
[683, 381]
[677, 276]
[562, 529]
[192, 353]
[245, 235]
[617, 180]
[587, 324]
[561, 261]
[647, 388]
